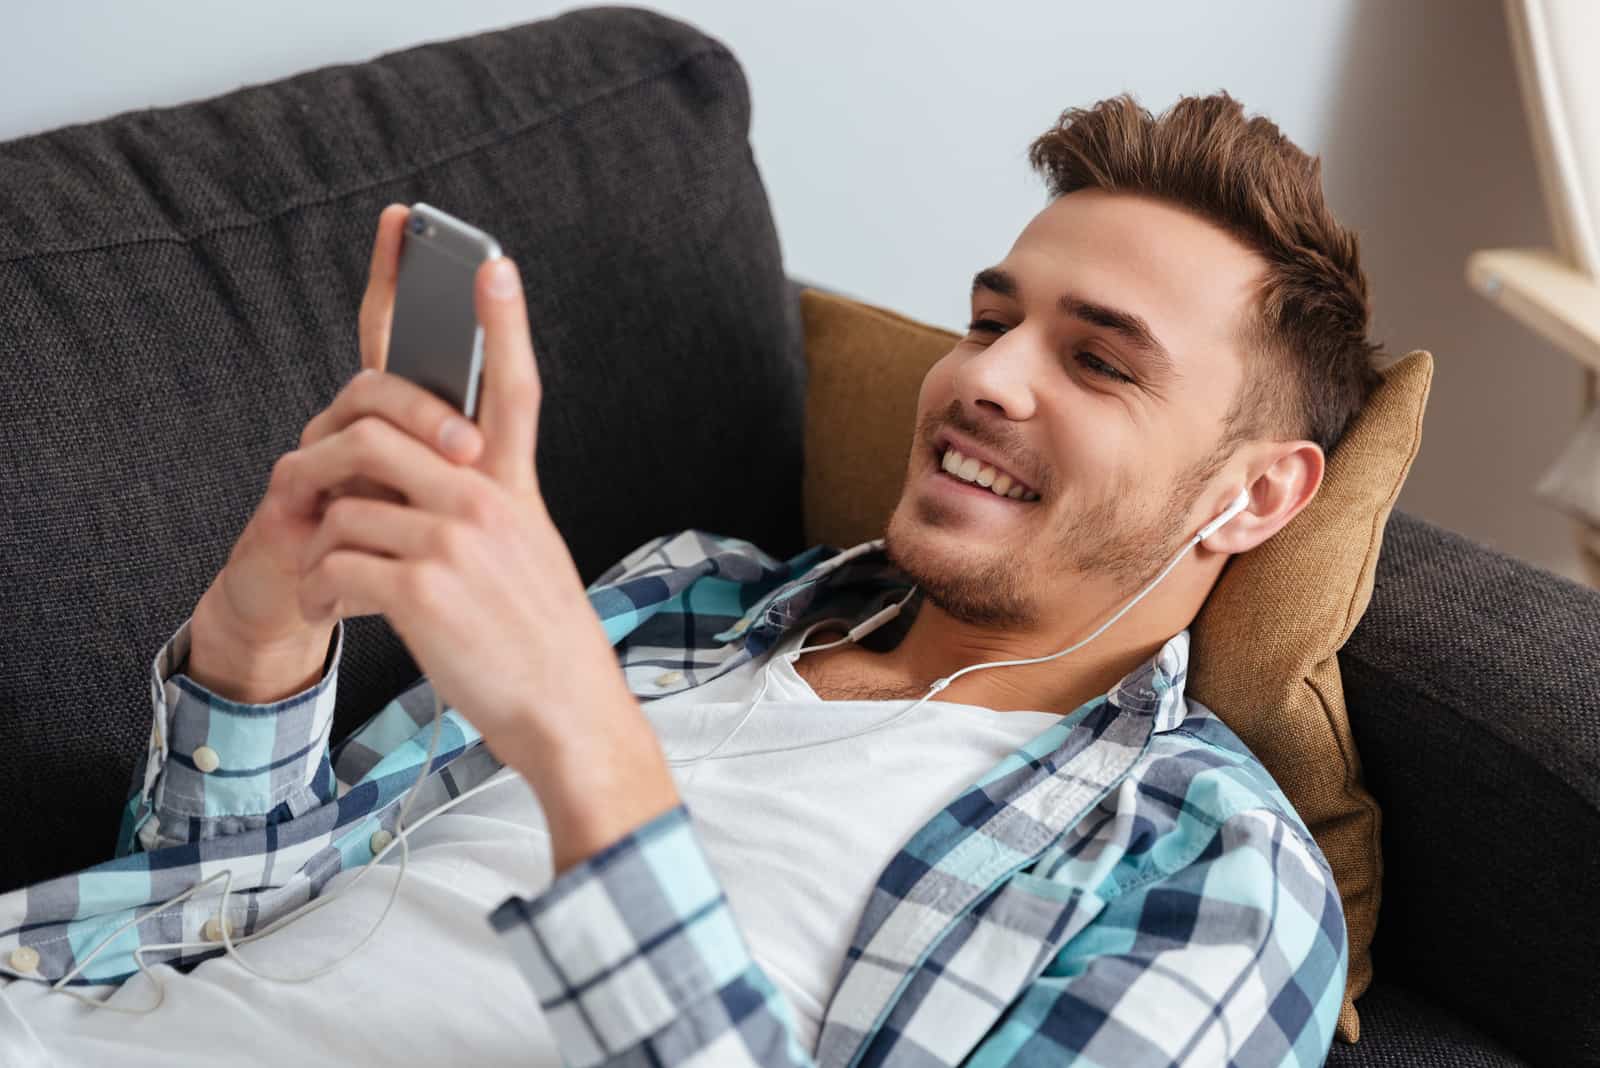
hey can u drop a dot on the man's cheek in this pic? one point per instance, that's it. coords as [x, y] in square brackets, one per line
[937, 395]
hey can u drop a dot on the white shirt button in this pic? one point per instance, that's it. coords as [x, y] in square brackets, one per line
[380, 841]
[24, 959]
[214, 927]
[205, 758]
[669, 678]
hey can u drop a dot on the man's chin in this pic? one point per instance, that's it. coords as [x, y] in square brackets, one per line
[973, 583]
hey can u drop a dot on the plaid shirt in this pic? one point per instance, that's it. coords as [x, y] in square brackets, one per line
[1130, 887]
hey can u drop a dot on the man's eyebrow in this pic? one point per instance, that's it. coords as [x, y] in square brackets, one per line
[1126, 325]
[995, 280]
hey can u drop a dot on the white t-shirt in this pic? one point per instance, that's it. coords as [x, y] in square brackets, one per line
[785, 833]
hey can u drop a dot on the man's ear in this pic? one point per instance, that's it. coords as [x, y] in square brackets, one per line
[1283, 482]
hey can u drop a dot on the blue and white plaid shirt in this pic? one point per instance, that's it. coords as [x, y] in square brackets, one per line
[1128, 888]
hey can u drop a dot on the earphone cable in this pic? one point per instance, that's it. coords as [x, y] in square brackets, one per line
[230, 946]
[938, 685]
[855, 633]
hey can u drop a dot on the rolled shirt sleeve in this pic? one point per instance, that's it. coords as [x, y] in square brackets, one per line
[217, 767]
[635, 958]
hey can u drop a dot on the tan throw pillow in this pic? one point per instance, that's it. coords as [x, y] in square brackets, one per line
[865, 368]
[1264, 644]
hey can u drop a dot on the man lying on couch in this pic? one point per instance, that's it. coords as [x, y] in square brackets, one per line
[892, 853]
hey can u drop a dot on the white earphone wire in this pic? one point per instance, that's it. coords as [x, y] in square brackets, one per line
[230, 946]
[1237, 505]
[694, 763]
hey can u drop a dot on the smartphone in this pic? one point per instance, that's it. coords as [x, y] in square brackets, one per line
[435, 339]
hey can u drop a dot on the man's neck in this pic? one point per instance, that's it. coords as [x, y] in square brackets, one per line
[936, 645]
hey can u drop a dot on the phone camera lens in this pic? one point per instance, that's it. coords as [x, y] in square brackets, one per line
[418, 224]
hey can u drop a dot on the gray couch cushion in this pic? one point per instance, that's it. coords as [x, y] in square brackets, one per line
[1473, 684]
[1401, 1029]
[178, 295]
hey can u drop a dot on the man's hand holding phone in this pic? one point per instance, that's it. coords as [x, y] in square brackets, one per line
[459, 553]
[250, 640]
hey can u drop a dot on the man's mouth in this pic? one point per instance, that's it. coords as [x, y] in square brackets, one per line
[982, 475]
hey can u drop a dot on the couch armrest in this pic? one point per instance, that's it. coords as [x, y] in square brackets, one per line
[1473, 685]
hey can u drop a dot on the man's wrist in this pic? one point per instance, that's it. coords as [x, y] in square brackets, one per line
[597, 782]
[253, 675]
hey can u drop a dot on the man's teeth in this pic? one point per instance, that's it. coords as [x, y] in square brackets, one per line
[970, 470]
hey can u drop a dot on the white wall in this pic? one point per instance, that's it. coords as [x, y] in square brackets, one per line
[892, 136]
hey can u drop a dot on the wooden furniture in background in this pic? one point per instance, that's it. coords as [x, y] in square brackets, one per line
[1556, 292]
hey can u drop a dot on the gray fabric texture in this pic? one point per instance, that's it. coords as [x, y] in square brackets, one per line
[1473, 686]
[178, 297]
[1401, 1029]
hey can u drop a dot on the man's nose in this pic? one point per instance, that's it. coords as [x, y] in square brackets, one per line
[1003, 376]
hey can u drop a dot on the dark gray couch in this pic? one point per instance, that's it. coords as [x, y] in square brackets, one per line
[178, 291]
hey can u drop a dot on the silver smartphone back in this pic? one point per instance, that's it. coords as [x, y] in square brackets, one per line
[435, 339]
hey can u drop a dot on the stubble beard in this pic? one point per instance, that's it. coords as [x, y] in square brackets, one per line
[1100, 542]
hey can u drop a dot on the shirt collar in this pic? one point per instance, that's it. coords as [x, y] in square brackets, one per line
[860, 580]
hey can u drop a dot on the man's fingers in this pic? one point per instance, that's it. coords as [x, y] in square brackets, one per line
[510, 394]
[345, 584]
[365, 488]
[417, 411]
[383, 528]
[388, 456]
[377, 305]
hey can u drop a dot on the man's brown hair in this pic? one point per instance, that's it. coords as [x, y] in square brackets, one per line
[1310, 365]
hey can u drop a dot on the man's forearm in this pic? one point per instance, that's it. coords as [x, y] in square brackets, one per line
[637, 959]
[599, 780]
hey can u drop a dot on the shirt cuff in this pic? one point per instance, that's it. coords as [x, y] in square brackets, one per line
[216, 766]
[626, 942]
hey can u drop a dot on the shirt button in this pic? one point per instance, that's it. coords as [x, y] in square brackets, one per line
[206, 759]
[214, 928]
[380, 841]
[669, 678]
[24, 959]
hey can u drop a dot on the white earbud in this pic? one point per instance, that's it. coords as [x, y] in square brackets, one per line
[1239, 504]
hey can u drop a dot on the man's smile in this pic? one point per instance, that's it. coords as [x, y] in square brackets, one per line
[977, 467]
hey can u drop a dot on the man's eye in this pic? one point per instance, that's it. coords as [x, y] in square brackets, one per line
[986, 326]
[1098, 366]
